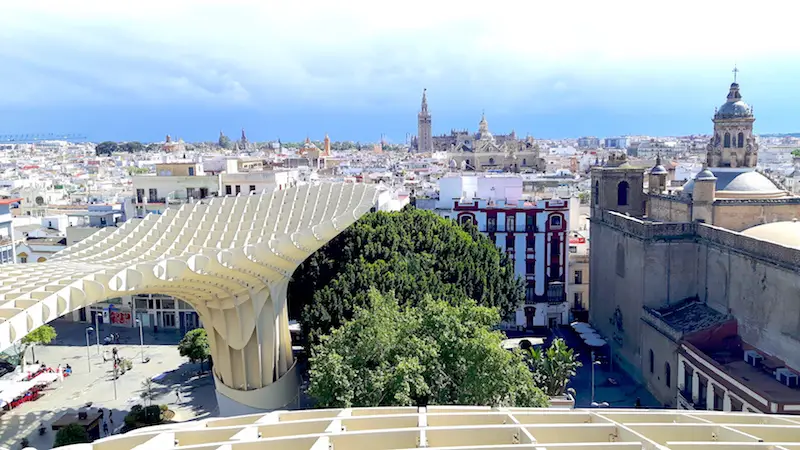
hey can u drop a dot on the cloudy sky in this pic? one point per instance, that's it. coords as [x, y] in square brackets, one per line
[127, 70]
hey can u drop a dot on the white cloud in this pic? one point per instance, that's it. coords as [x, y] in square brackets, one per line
[362, 54]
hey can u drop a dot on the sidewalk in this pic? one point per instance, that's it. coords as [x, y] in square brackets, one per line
[621, 395]
[97, 386]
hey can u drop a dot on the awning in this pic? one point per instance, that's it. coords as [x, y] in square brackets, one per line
[596, 342]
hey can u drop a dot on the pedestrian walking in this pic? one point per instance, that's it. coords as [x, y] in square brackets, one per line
[109, 418]
[105, 428]
[178, 394]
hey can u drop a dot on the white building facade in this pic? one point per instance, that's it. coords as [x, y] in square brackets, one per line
[534, 234]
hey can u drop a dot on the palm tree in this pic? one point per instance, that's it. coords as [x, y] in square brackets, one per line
[554, 367]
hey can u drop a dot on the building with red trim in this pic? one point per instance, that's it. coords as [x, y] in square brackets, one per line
[534, 234]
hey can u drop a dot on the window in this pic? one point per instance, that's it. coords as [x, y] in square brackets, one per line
[152, 195]
[652, 361]
[491, 161]
[727, 140]
[103, 221]
[465, 219]
[203, 192]
[139, 195]
[252, 188]
[555, 222]
[578, 300]
[578, 277]
[530, 223]
[555, 258]
[620, 260]
[141, 303]
[491, 224]
[190, 193]
[741, 140]
[191, 171]
[168, 303]
[667, 374]
[238, 189]
[573, 249]
[596, 192]
[228, 190]
[511, 222]
[23, 257]
[622, 193]
[524, 162]
[169, 320]
[529, 266]
[509, 242]
[531, 242]
[530, 294]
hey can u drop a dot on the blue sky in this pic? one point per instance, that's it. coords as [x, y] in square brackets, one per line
[356, 69]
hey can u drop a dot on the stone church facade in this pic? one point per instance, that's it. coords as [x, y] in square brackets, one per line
[713, 260]
[481, 151]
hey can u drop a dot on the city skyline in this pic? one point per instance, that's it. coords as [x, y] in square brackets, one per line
[121, 72]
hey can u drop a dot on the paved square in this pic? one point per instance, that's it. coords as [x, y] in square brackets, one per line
[170, 370]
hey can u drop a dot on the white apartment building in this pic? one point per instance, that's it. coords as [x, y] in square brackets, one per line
[534, 234]
[173, 183]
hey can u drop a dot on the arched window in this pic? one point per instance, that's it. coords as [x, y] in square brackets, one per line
[727, 140]
[555, 222]
[622, 193]
[491, 161]
[524, 162]
[620, 260]
[740, 144]
[596, 193]
[466, 218]
[652, 361]
[667, 374]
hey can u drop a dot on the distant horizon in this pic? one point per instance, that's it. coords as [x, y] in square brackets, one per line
[124, 72]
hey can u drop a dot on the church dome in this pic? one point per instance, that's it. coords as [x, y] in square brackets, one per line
[737, 183]
[734, 107]
[783, 233]
[658, 169]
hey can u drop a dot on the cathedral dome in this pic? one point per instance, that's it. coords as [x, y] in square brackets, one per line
[783, 233]
[741, 183]
[734, 107]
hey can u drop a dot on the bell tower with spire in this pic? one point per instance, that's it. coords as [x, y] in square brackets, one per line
[733, 143]
[424, 136]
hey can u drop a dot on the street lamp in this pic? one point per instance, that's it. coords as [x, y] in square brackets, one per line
[97, 326]
[88, 355]
[141, 338]
[594, 363]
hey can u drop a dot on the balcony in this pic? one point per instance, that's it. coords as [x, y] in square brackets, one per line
[685, 400]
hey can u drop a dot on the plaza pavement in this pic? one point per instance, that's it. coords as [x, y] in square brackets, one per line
[171, 371]
[621, 395]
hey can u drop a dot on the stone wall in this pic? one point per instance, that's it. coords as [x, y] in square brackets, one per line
[667, 208]
[739, 215]
[756, 281]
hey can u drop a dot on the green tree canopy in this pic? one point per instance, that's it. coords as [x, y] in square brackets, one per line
[42, 335]
[411, 253]
[194, 345]
[132, 147]
[553, 367]
[71, 434]
[438, 352]
[106, 148]
[225, 141]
